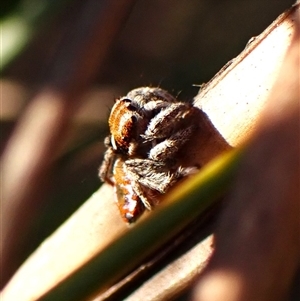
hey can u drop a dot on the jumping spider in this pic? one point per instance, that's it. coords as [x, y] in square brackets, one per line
[148, 127]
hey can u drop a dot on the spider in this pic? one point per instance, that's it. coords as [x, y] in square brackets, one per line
[148, 127]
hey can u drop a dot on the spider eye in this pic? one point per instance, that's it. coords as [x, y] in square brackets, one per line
[134, 119]
[129, 106]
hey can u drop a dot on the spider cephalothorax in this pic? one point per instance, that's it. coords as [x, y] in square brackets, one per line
[148, 128]
[131, 114]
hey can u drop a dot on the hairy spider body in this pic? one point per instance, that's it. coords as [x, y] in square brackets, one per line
[148, 127]
[131, 114]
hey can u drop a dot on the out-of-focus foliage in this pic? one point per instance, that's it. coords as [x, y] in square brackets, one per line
[8, 6]
[20, 20]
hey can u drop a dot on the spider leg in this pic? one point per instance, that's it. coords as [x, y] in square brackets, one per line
[106, 168]
[136, 186]
[155, 105]
[144, 95]
[169, 147]
[162, 182]
[156, 175]
[167, 120]
[147, 172]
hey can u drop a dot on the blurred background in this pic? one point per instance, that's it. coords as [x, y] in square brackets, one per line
[177, 45]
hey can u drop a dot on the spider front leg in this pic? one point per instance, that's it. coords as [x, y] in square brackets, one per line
[156, 175]
[106, 168]
[137, 188]
[168, 148]
[168, 120]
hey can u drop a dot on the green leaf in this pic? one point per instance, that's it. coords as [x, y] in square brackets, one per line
[185, 203]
